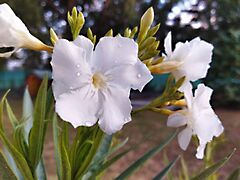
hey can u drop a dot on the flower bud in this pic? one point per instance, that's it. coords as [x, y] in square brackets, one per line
[165, 67]
[14, 34]
[146, 22]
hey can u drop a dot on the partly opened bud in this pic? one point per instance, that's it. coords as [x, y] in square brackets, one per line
[14, 34]
[165, 67]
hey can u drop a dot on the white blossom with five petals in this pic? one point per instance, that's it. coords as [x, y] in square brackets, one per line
[192, 59]
[199, 119]
[94, 85]
[14, 33]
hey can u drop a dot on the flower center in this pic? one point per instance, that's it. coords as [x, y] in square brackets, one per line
[99, 80]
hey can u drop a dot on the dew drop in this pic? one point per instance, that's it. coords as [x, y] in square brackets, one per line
[139, 76]
[78, 74]
[78, 66]
[71, 88]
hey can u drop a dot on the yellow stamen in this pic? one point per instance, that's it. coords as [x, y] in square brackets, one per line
[98, 80]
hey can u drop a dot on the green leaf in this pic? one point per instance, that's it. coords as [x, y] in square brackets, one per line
[210, 170]
[1, 109]
[65, 167]
[99, 165]
[96, 142]
[12, 164]
[137, 164]
[165, 171]
[36, 138]
[5, 171]
[11, 115]
[18, 158]
[27, 114]
[56, 142]
[20, 142]
[235, 175]
[100, 156]
[109, 163]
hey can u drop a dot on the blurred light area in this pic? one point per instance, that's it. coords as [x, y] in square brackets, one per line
[182, 10]
[14, 64]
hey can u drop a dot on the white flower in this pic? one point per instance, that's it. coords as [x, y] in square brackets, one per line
[14, 34]
[94, 85]
[199, 119]
[192, 58]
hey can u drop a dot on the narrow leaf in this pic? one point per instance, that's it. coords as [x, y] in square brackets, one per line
[11, 115]
[56, 142]
[12, 164]
[65, 167]
[5, 171]
[1, 109]
[27, 113]
[36, 138]
[137, 164]
[18, 158]
[165, 171]
[210, 170]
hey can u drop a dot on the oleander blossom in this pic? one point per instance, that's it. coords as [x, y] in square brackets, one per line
[14, 34]
[192, 59]
[94, 85]
[199, 119]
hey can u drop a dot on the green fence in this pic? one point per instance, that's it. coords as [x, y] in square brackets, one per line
[12, 79]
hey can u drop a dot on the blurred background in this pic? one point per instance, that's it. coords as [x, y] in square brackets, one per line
[216, 21]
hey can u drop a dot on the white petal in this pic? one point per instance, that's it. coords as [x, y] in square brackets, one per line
[168, 44]
[184, 138]
[13, 32]
[70, 67]
[176, 120]
[188, 94]
[202, 96]
[86, 44]
[185, 86]
[114, 51]
[115, 111]
[206, 124]
[196, 63]
[80, 107]
[200, 151]
[130, 76]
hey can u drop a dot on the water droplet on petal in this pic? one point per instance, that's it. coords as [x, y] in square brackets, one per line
[71, 88]
[139, 76]
[78, 74]
[78, 65]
